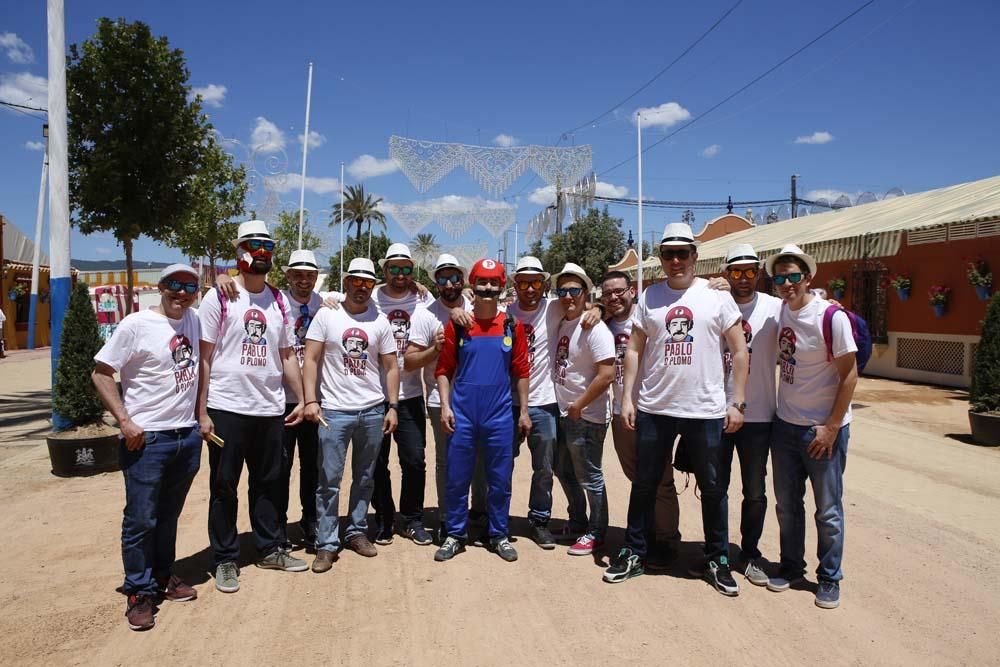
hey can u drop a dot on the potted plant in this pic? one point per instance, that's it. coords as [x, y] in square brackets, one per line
[980, 277]
[837, 287]
[938, 297]
[902, 283]
[984, 394]
[88, 445]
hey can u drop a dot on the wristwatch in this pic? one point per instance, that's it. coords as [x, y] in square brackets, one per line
[394, 406]
[742, 407]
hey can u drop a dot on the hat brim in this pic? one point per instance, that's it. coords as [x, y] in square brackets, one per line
[284, 269]
[810, 262]
[450, 266]
[381, 262]
[237, 242]
[180, 272]
[741, 262]
[679, 244]
[530, 272]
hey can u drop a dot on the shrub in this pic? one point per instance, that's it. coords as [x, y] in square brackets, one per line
[74, 396]
[984, 395]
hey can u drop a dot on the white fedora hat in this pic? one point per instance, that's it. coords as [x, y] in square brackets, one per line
[677, 233]
[178, 268]
[790, 250]
[576, 271]
[252, 229]
[529, 265]
[304, 260]
[396, 251]
[742, 253]
[362, 267]
[446, 261]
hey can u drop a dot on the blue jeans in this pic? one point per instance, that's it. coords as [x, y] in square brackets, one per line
[157, 479]
[792, 467]
[655, 435]
[542, 445]
[580, 454]
[752, 443]
[364, 430]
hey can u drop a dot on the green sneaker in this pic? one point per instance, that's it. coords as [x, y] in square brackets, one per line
[282, 560]
[227, 578]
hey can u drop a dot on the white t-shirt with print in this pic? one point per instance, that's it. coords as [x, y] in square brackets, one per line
[575, 353]
[538, 325]
[246, 366]
[350, 375]
[808, 378]
[682, 372]
[300, 325]
[157, 360]
[423, 327]
[621, 330]
[399, 312]
[760, 328]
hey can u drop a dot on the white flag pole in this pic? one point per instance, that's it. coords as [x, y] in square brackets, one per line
[305, 153]
[341, 228]
[638, 134]
[37, 254]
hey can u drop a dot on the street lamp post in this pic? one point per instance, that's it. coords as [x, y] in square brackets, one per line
[37, 255]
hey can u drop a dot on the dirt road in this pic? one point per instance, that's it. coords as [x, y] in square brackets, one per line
[921, 583]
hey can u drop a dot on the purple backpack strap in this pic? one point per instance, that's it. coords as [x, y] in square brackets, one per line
[223, 311]
[828, 328]
[281, 304]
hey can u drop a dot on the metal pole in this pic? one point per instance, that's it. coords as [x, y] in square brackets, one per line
[341, 228]
[515, 242]
[638, 136]
[60, 282]
[795, 199]
[37, 255]
[305, 153]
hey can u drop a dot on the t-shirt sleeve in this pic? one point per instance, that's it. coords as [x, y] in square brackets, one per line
[448, 359]
[602, 343]
[638, 317]
[519, 366]
[210, 314]
[421, 331]
[843, 337]
[117, 351]
[317, 328]
[386, 342]
[730, 313]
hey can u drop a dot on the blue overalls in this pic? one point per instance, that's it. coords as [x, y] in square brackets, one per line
[481, 401]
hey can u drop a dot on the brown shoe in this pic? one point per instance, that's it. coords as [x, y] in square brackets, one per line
[324, 561]
[139, 612]
[360, 545]
[175, 590]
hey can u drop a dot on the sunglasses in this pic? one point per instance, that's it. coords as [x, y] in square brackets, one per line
[571, 291]
[454, 279]
[396, 270]
[740, 273]
[355, 281]
[794, 278]
[683, 253]
[525, 284]
[177, 286]
[257, 244]
[618, 291]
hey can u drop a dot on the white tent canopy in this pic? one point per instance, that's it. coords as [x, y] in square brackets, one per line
[17, 247]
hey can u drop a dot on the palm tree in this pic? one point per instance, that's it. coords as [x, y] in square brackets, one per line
[425, 247]
[357, 209]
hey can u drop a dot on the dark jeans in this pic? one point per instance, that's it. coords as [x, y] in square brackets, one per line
[792, 467]
[157, 479]
[654, 448]
[542, 446]
[752, 443]
[257, 441]
[306, 435]
[411, 439]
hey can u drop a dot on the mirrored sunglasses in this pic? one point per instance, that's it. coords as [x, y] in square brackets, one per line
[355, 281]
[525, 284]
[571, 291]
[396, 270]
[454, 279]
[794, 278]
[177, 286]
[740, 273]
[683, 253]
[257, 244]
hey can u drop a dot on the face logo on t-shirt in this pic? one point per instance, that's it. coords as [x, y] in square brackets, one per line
[255, 324]
[529, 331]
[727, 358]
[181, 351]
[747, 331]
[680, 322]
[302, 328]
[786, 352]
[400, 321]
[562, 360]
[621, 344]
[355, 342]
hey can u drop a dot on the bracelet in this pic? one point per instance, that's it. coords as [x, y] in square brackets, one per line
[308, 403]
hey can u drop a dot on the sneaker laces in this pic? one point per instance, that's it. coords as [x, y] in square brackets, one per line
[228, 570]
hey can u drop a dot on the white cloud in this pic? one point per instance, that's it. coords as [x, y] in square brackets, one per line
[821, 137]
[104, 251]
[665, 115]
[25, 89]
[711, 151]
[449, 204]
[315, 139]
[369, 166]
[35, 145]
[547, 195]
[212, 95]
[293, 183]
[506, 140]
[17, 49]
[266, 137]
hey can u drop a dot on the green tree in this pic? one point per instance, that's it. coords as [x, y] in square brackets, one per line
[286, 239]
[135, 140]
[984, 394]
[356, 247]
[219, 192]
[425, 250]
[73, 395]
[594, 242]
[357, 209]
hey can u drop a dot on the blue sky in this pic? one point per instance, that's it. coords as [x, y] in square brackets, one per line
[902, 95]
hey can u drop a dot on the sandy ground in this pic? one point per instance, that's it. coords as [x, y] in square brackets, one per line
[921, 586]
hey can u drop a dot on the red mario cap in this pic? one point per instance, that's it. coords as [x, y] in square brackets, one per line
[680, 313]
[488, 268]
[255, 315]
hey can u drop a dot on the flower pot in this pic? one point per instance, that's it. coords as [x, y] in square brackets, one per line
[939, 309]
[838, 294]
[903, 293]
[985, 428]
[983, 292]
[86, 455]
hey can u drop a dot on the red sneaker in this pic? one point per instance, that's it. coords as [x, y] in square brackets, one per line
[175, 590]
[139, 612]
[585, 546]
